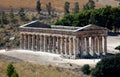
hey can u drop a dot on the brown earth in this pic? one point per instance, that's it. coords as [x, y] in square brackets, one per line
[57, 4]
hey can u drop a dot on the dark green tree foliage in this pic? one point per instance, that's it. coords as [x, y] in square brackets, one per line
[12, 16]
[49, 8]
[22, 14]
[68, 20]
[66, 8]
[86, 69]
[89, 5]
[76, 7]
[1, 20]
[14, 74]
[4, 19]
[38, 6]
[117, 48]
[106, 17]
[108, 67]
[10, 70]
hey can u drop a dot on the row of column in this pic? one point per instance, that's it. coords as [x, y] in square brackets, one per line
[96, 45]
[47, 43]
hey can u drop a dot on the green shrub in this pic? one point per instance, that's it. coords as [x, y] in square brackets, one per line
[14, 74]
[10, 70]
[108, 67]
[86, 69]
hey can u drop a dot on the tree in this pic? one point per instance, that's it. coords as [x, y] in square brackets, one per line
[10, 70]
[38, 6]
[49, 8]
[12, 16]
[108, 67]
[22, 14]
[66, 8]
[4, 19]
[86, 69]
[15, 74]
[89, 5]
[76, 7]
[117, 48]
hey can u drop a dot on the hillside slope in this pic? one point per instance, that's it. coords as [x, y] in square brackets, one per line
[57, 4]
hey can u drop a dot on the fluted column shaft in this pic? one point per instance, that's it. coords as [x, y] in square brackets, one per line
[65, 46]
[105, 44]
[94, 45]
[70, 46]
[33, 42]
[26, 41]
[87, 45]
[29, 42]
[61, 45]
[100, 45]
[21, 41]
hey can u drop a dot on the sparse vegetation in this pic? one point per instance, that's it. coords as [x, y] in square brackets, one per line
[38, 6]
[86, 69]
[108, 67]
[106, 17]
[11, 72]
[66, 8]
[76, 8]
[117, 48]
[49, 8]
[35, 70]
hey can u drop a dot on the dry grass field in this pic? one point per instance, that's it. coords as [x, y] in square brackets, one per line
[26, 69]
[57, 4]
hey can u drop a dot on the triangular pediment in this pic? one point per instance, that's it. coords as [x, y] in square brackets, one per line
[91, 27]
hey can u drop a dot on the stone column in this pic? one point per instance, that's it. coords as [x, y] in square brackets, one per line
[29, 42]
[21, 41]
[50, 46]
[105, 44]
[80, 45]
[38, 42]
[65, 46]
[94, 46]
[33, 42]
[70, 46]
[26, 41]
[58, 45]
[54, 44]
[76, 42]
[72, 51]
[74, 46]
[44, 46]
[61, 45]
[42, 43]
[97, 45]
[83, 46]
[87, 45]
[100, 45]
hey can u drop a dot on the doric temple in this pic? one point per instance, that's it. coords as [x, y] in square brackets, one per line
[70, 42]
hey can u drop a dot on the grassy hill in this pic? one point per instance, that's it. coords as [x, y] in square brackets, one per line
[26, 69]
[57, 4]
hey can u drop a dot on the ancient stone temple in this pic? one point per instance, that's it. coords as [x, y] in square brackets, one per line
[72, 42]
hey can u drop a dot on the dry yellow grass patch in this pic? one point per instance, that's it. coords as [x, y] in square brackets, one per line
[58, 4]
[25, 69]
